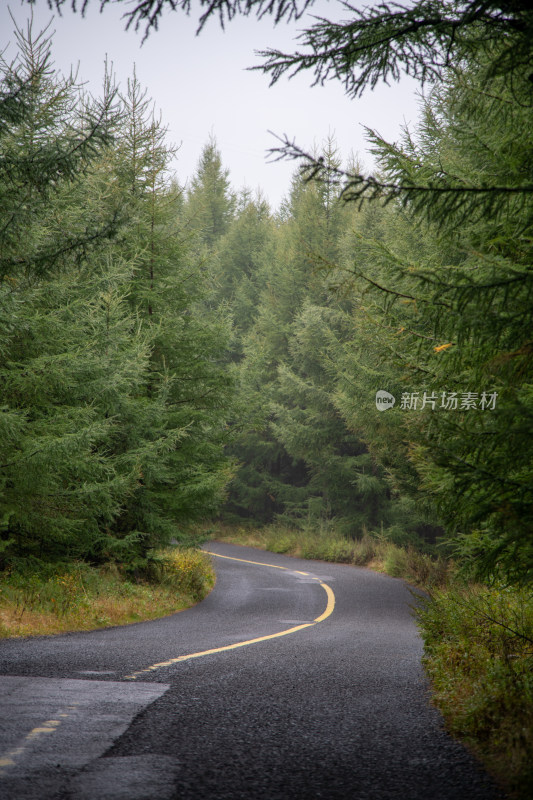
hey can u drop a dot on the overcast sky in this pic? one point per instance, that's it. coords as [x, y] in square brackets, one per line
[200, 85]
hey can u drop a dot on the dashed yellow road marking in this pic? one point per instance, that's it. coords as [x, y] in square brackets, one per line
[329, 610]
[258, 563]
[51, 725]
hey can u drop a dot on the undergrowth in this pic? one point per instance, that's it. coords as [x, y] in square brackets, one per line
[41, 598]
[371, 550]
[478, 644]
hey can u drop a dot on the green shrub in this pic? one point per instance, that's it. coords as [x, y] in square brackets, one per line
[41, 598]
[365, 550]
[396, 561]
[280, 544]
[188, 571]
[479, 655]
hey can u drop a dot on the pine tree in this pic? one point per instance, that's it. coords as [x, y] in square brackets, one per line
[186, 391]
[453, 310]
[210, 201]
[113, 400]
[299, 460]
[67, 355]
[49, 138]
[237, 266]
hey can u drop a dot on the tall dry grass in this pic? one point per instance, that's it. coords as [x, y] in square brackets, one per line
[48, 599]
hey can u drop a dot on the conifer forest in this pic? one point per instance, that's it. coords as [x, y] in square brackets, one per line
[357, 363]
[171, 353]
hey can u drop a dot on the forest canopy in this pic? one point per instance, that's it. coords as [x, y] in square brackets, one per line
[178, 351]
[113, 389]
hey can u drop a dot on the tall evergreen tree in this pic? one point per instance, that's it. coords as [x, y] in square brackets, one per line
[113, 400]
[299, 460]
[67, 352]
[238, 264]
[186, 389]
[49, 138]
[210, 201]
[453, 309]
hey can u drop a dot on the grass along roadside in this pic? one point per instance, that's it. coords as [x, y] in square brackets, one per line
[478, 643]
[48, 599]
[478, 653]
[372, 551]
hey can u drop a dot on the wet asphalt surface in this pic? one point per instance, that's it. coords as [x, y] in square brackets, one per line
[339, 709]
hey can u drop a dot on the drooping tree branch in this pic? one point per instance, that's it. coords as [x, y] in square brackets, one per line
[148, 13]
[379, 43]
[442, 196]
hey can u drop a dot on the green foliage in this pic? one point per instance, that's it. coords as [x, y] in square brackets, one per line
[302, 454]
[67, 352]
[113, 395]
[38, 598]
[50, 136]
[478, 652]
[237, 266]
[455, 315]
[439, 267]
[185, 389]
[66, 383]
[210, 202]
[326, 542]
[186, 570]
[422, 39]
[428, 40]
[425, 291]
[432, 270]
[299, 462]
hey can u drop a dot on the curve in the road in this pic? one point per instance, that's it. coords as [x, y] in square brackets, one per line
[326, 613]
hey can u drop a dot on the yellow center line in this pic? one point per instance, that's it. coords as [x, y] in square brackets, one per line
[331, 603]
[329, 610]
[258, 563]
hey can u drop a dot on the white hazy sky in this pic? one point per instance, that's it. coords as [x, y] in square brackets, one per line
[200, 85]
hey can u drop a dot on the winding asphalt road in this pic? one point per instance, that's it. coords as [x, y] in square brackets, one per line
[292, 680]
